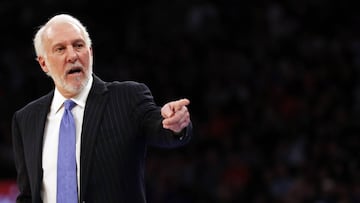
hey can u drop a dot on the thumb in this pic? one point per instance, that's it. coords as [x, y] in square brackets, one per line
[166, 111]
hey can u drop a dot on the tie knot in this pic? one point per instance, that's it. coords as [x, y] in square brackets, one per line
[69, 104]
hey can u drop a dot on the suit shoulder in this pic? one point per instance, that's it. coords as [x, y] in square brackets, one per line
[129, 89]
[130, 85]
[36, 104]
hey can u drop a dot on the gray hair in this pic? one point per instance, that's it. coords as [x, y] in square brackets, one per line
[38, 39]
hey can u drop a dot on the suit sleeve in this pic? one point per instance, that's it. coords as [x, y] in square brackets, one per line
[148, 115]
[22, 175]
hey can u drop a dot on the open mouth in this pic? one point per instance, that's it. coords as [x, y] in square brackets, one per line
[74, 70]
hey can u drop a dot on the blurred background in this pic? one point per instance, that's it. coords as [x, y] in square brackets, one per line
[273, 86]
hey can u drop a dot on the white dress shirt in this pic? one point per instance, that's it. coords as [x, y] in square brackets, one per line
[51, 139]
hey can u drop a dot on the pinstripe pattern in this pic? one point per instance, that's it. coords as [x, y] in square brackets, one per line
[120, 120]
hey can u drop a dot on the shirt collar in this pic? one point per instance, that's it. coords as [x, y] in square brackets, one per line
[79, 99]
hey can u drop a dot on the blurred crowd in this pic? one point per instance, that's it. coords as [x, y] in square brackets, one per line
[273, 85]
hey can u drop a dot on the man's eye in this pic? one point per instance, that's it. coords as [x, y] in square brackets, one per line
[79, 45]
[59, 49]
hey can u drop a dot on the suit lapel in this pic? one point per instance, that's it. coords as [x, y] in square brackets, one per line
[38, 127]
[94, 109]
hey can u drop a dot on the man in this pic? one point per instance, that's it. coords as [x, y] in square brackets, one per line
[114, 122]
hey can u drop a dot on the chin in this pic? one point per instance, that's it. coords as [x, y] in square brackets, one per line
[75, 87]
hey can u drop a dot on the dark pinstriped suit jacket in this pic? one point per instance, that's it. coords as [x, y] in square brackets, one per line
[120, 120]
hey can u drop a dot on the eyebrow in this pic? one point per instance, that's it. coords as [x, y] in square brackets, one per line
[72, 42]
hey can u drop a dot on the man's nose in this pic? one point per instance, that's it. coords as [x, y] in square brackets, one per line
[72, 55]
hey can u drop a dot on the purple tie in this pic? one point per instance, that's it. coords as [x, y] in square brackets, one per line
[66, 165]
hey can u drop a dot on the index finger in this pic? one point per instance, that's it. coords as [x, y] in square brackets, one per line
[180, 103]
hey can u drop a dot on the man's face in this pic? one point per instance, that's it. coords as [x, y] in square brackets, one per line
[68, 60]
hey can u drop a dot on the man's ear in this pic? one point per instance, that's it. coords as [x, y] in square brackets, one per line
[42, 63]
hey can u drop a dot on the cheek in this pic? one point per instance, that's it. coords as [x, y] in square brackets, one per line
[55, 70]
[56, 64]
[86, 60]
